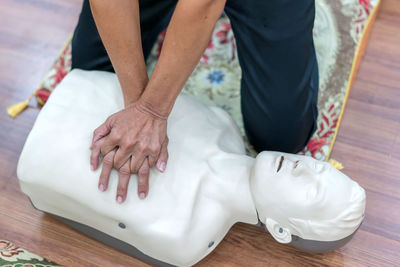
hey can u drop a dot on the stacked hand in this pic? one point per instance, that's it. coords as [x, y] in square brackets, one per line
[132, 141]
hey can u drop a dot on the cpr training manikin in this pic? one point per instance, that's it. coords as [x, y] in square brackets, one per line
[209, 184]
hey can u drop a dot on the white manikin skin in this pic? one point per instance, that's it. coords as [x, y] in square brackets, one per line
[205, 189]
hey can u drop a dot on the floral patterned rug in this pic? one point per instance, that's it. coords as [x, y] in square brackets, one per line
[340, 35]
[13, 256]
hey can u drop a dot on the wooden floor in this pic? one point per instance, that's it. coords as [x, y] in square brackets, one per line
[31, 34]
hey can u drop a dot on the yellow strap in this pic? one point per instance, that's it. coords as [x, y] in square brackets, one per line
[336, 164]
[16, 109]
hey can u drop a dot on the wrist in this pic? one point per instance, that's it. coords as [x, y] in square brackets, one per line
[130, 99]
[159, 98]
[149, 108]
[132, 85]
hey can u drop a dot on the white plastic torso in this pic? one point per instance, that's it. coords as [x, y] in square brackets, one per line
[203, 192]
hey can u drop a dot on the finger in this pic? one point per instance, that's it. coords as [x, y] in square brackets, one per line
[163, 157]
[101, 131]
[121, 157]
[123, 181]
[137, 161]
[106, 170]
[95, 154]
[152, 160]
[109, 143]
[143, 182]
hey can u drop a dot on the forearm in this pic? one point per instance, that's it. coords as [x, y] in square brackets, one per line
[118, 23]
[187, 37]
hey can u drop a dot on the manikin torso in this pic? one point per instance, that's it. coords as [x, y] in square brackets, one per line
[203, 192]
[190, 207]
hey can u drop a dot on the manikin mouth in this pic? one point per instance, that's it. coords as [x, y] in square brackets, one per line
[280, 163]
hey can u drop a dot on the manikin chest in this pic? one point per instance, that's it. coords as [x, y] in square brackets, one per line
[188, 207]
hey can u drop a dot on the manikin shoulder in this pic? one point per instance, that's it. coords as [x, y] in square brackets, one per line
[184, 215]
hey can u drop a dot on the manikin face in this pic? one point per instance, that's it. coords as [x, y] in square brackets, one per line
[300, 196]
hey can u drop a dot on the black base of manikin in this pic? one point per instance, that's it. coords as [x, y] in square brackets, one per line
[113, 242]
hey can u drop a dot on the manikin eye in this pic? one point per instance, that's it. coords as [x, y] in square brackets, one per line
[280, 163]
[295, 164]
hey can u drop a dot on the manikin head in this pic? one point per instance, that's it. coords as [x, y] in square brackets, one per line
[306, 202]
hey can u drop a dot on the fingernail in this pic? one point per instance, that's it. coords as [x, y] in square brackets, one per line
[119, 199]
[101, 187]
[162, 166]
[92, 167]
[142, 195]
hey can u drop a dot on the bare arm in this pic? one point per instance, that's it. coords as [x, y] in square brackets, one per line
[187, 37]
[118, 24]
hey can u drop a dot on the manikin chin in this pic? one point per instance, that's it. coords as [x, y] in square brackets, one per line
[209, 185]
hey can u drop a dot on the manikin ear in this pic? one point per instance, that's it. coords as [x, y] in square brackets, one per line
[281, 234]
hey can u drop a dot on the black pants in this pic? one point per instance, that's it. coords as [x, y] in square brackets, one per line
[274, 38]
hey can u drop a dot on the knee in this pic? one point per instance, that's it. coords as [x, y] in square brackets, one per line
[285, 123]
[290, 134]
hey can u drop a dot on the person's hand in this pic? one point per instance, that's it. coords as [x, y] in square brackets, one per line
[132, 141]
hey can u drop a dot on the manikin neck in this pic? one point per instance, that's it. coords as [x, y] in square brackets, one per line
[240, 196]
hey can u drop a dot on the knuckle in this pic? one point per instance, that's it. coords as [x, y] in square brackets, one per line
[116, 135]
[96, 147]
[108, 161]
[142, 147]
[154, 149]
[124, 170]
[128, 142]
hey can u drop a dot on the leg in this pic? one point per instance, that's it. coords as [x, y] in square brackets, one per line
[279, 71]
[88, 51]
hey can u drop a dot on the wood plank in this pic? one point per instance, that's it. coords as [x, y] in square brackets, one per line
[367, 126]
[251, 246]
[31, 35]
[372, 170]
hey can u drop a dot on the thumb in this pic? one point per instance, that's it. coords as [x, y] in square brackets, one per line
[103, 130]
[163, 157]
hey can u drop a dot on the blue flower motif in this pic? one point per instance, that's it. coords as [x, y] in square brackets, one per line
[216, 76]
